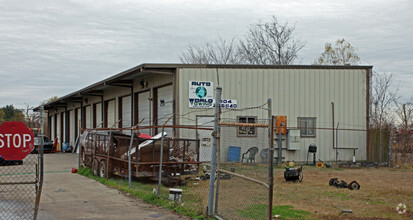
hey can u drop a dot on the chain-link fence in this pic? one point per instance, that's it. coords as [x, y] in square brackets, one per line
[401, 147]
[243, 192]
[18, 187]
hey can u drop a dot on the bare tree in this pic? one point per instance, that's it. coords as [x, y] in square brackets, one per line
[383, 96]
[342, 53]
[270, 43]
[219, 52]
[404, 112]
[32, 118]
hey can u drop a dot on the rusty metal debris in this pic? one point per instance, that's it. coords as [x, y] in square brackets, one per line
[354, 185]
[107, 152]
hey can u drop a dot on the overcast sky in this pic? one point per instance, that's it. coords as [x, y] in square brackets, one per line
[52, 48]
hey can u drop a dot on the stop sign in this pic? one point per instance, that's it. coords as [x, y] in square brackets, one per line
[16, 140]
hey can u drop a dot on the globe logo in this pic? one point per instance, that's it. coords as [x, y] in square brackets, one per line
[201, 92]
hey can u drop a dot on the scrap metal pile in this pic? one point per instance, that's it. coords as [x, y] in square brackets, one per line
[107, 154]
[343, 184]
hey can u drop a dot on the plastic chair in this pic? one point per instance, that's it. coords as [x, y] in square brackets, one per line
[251, 157]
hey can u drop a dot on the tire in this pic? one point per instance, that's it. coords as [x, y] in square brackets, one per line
[95, 167]
[102, 169]
[354, 186]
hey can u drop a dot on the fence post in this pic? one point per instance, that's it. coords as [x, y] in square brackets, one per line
[271, 157]
[218, 161]
[41, 167]
[389, 163]
[129, 158]
[214, 153]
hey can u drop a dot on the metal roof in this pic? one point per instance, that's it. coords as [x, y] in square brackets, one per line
[126, 77]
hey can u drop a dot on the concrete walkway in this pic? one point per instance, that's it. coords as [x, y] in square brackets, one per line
[72, 196]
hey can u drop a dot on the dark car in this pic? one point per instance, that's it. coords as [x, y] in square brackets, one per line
[4, 162]
[47, 145]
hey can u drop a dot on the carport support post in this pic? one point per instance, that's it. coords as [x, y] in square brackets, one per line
[129, 158]
[214, 153]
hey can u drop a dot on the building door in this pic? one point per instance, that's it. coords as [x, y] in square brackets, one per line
[144, 111]
[164, 106]
[53, 127]
[126, 112]
[111, 113]
[58, 127]
[98, 113]
[88, 117]
[205, 137]
[72, 121]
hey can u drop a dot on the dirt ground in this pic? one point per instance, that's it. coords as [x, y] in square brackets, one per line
[382, 190]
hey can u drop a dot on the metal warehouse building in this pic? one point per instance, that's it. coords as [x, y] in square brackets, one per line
[324, 105]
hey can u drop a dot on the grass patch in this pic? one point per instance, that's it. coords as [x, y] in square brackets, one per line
[259, 211]
[144, 192]
[341, 196]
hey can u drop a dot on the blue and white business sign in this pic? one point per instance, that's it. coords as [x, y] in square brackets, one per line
[201, 94]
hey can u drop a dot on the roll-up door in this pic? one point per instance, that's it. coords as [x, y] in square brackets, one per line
[165, 107]
[98, 113]
[58, 127]
[52, 127]
[88, 119]
[111, 114]
[126, 112]
[72, 131]
[63, 119]
[144, 112]
[78, 124]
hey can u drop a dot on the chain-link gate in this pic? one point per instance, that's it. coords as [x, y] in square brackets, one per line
[243, 192]
[21, 184]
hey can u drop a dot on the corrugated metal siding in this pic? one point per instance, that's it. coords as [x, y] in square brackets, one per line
[295, 93]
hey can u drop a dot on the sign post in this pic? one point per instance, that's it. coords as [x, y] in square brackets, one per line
[16, 140]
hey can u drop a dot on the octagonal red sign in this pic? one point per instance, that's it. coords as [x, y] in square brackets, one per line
[16, 140]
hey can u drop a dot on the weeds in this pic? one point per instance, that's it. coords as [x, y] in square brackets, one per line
[144, 192]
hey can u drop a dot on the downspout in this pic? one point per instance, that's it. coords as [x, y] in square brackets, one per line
[332, 126]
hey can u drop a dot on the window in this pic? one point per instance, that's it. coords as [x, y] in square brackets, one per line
[247, 131]
[307, 126]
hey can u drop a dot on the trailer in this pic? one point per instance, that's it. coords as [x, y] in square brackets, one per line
[106, 152]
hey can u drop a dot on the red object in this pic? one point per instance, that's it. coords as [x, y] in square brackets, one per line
[145, 136]
[16, 140]
[74, 170]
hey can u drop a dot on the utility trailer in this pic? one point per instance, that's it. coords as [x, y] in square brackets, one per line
[106, 153]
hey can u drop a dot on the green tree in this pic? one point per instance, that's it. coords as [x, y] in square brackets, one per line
[1, 115]
[12, 114]
[54, 98]
[340, 54]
